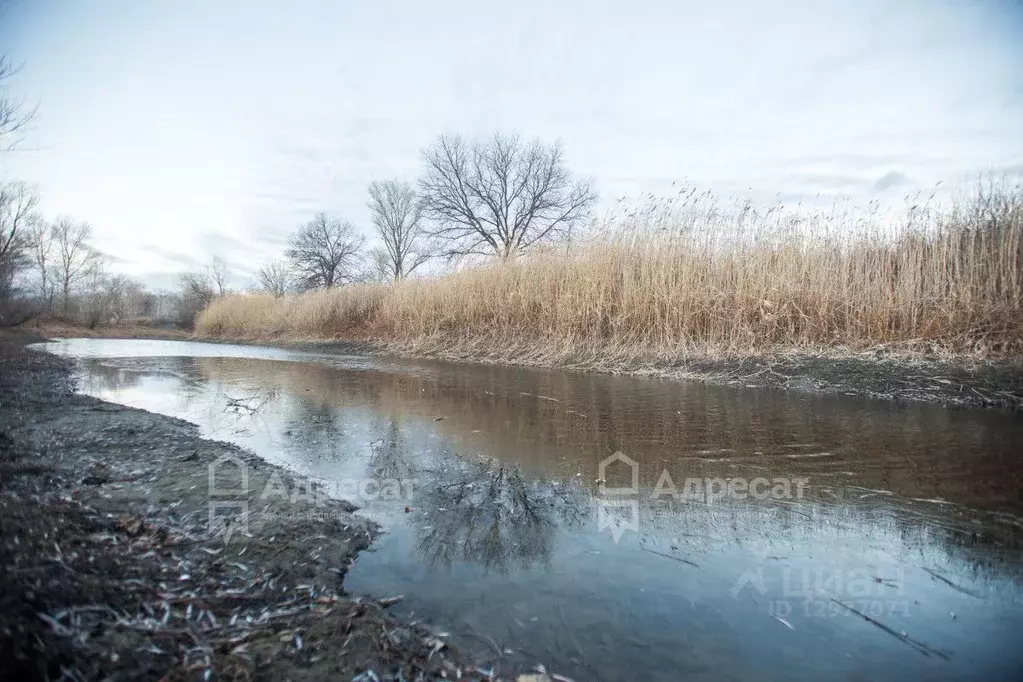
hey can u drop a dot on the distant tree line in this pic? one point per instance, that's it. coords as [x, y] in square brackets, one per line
[51, 268]
[497, 197]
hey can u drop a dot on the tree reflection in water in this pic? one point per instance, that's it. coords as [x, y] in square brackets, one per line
[496, 516]
[100, 375]
[392, 453]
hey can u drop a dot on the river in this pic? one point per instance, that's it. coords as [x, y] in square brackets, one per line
[622, 528]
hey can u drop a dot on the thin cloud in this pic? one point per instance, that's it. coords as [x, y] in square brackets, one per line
[891, 179]
[796, 100]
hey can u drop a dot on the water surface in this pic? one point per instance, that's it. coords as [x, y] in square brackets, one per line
[896, 552]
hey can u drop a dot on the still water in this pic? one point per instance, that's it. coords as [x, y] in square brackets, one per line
[730, 534]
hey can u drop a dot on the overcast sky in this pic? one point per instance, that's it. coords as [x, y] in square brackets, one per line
[181, 129]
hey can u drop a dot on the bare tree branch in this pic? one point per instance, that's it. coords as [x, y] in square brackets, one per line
[500, 196]
[276, 278]
[14, 114]
[397, 214]
[196, 291]
[40, 249]
[17, 206]
[326, 252]
[220, 275]
[76, 259]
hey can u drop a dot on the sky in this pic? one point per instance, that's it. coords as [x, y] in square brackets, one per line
[185, 129]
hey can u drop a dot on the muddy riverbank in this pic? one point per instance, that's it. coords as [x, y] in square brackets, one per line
[49, 327]
[894, 552]
[877, 373]
[909, 512]
[111, 569]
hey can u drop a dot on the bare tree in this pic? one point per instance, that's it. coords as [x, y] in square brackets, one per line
[197, 291]
[39, 244]
[500, 196]
[111, 298]
[276, 278]
[379, 268]
[17, 203]
[397, 214]
[326, 252]
[14, 114]
[97, 293]
[76, 260]
[131, 302]
[220, 275]
[198, 288]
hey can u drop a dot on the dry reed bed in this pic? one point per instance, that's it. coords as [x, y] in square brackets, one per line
[684, 276]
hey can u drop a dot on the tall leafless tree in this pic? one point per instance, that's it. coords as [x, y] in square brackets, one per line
[17, 204]
[97, 294]
[198, 288]
[39, 245]
[14, 114]
[196, 291]
[276, 278]
[111, 298]
[500, 196]
[76, 260]
[220, 275]
[326, 252]
[397, 214]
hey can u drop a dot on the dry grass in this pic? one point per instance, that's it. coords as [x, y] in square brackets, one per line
[51, 327]
[686, 276]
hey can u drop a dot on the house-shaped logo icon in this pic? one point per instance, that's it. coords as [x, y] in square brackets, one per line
[618, 456]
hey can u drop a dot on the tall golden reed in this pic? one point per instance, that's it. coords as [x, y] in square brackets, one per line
[686, 276]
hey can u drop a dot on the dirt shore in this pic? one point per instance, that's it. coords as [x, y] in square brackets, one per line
[879, 373]
[876, 374]
[52, 328]
[111, 570]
